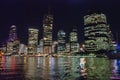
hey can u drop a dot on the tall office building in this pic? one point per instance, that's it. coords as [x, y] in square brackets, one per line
[47, 33]
[32, 41]
[74, 46]
[40, 46]
[67, 48]
[61, 47]
[23, 49]
[54, 47]
[13, 42]
[3, 47]
[97, 33]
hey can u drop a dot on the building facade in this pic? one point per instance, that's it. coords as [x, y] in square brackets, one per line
[40, 47]
[61, 47]
[54, 47]
[13, 42]
[23, 49]
[32, 41]
[74, 45]
[67, 48]
[47, 33]
[97, 33]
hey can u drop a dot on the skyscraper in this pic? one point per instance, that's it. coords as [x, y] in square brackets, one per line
[47, 33]
[67, 48]
[13, 42]
[32, 41]
[74, 46]
[97, 33]
[54, 47]
[40, 46]
[61, 47]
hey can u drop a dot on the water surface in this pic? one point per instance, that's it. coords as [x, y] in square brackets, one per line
[62, 68]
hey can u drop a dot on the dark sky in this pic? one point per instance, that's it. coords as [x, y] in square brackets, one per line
[67, 14]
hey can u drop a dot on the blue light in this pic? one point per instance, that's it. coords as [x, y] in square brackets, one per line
[118, 46]
[118, 62]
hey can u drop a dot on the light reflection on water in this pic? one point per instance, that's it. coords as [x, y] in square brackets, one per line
[63, 68]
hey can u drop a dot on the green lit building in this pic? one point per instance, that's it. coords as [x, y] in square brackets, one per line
[61, 47]
[74, 45]
[97, 33]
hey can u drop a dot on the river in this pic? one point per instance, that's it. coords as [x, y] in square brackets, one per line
[62, 68]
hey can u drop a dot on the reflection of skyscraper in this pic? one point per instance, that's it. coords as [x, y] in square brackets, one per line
[32, 40]
[97, 33]
[30, 70]
[61, 42]
[47, 33]
[46, 69]
[13, 42]
[97, 70]
[74, 46]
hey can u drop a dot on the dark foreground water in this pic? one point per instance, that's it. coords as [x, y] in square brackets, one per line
[67, 68]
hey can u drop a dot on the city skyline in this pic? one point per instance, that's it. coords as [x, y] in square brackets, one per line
[67, 14]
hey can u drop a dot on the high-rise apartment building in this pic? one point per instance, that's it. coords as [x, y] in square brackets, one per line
[47, 33]
[97, 33]
[61, 47]
[32, 41]
[74, 46]
[13, 42]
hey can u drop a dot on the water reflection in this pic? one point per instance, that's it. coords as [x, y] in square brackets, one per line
[83, 69]
[98, 68]
[11, 69]
[63, 68]
[115, 66]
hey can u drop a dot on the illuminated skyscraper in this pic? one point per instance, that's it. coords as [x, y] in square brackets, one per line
[67, 48]
[47, 33]
[23, 49]
[32, 41]
[61, 42]
[97, 33]
[54, 47]
[3, 47]
[40, 46]
[74, 46]
[13, 42]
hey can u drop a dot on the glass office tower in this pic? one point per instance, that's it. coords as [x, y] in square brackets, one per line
[74, 46]
[32, 41]
[47, 33]
[61, 42]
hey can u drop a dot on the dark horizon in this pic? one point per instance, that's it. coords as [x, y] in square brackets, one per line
[67, 14]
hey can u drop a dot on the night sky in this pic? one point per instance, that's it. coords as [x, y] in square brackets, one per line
[67, 14]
